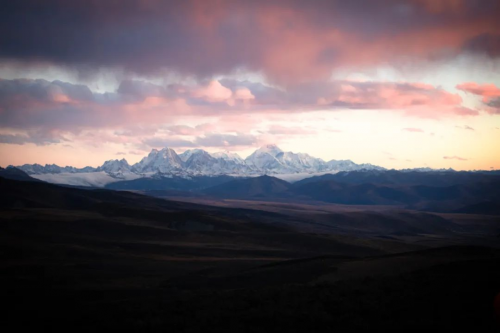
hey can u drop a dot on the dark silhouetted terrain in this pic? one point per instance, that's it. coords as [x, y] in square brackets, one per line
[103, 260]
[436, 191]
[16, 174]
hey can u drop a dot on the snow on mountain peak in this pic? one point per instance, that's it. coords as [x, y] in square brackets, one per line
[269, 159]
[271, 149]
[163, 161]
[115, 166]
[188, 153]
[228, 156]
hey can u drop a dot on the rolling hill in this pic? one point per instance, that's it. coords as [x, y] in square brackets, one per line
[422, 197]
[256, 187]
[101, 260]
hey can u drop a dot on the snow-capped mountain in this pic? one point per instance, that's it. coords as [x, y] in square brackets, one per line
[115, 166]
[348, 165]
[228, 156]
[188, 153]
[427, 169]
[198, 161]
[269, 159]
[264, 160]
[201, 162]
[162, 161]
[301, 162]
[231, 163]
[33, 169]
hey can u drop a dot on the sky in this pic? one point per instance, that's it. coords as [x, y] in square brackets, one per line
[396, 83]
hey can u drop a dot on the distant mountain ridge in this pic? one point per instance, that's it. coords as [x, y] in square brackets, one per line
[269, 159]
[477, 194]
[16, 174]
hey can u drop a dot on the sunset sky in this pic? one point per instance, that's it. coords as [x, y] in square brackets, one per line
[396, 83]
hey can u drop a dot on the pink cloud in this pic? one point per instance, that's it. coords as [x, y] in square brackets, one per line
[413, 130]
[139, 108]
[458, 158]
[283, 130]
[416, 99]
[489, 92]
[182, 130]
[213, 92]
[483, 90]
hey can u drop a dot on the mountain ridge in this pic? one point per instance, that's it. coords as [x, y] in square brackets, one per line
[269, 159]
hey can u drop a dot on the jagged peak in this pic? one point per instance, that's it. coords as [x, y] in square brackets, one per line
[225, 153]
[270, 149]
[271, 146]
[123, 160]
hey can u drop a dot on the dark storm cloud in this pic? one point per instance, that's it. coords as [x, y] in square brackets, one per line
[488, 44]
[289, 40]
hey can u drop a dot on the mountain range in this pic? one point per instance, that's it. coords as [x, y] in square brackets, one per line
[437, 191]
[452, 194]
[267, 160]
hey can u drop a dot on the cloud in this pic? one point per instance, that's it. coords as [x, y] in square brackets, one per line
[39, 138]
[56, 104]
[333, 130]
[490, 94]
[487, 43]
[182, 130]
[215, 92]
[15, 139]
[483, 90]
[139, 108]
[207, 140]
[494, 104]
[288, 41]
[413, 130]
[465, 127]
[159, 142]
[458, 158]
[415, 99]
[283, 130]
[226, 140]
[136, 152]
